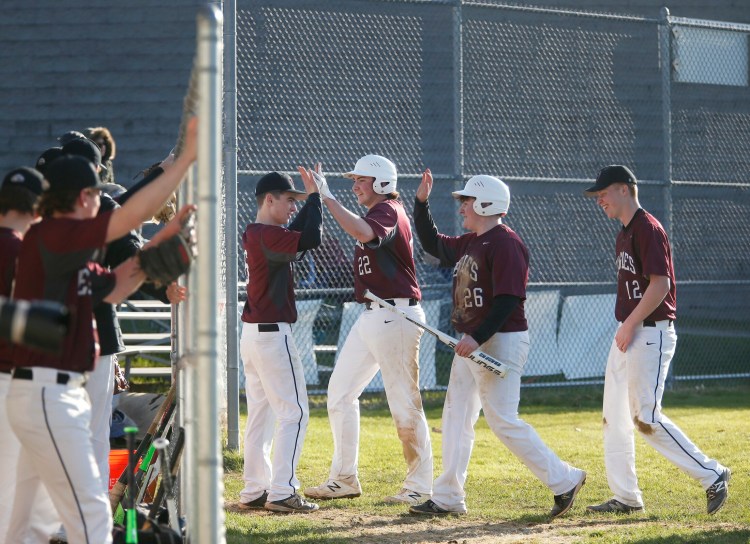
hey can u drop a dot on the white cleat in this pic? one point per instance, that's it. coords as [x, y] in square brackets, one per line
[336, 488]
[407, 496]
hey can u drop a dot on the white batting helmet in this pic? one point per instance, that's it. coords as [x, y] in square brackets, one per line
[380, 168]
[491, 194]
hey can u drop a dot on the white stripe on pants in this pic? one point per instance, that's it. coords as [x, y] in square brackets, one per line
[52, 424]
[100, 387]
[472, 387]
[276, 396]
[381, 340]
[633, 389]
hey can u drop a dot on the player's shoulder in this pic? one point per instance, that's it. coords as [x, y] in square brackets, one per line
[648, 223]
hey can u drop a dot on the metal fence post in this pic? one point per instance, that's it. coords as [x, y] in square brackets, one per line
[665, 51]
[207, 501]
[458, 103]
[230, 220]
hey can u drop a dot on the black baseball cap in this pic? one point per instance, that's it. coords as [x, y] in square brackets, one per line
[274, 181]
[72, 172]
[85, 148]
[70, 136]
[608, 175]
[25, 177]
[47, 157]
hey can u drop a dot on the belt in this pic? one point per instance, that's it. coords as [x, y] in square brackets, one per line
[649, 323]
[268, 327]
[61, 378]
[369, 305]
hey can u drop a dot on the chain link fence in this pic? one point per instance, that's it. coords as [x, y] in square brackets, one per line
[541, 98]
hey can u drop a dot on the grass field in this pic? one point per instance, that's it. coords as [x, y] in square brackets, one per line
[506, 503]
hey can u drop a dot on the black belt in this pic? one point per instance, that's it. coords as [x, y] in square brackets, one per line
[3, 371]
[392, 302]
[28, 374]
[268, 327]
[649, 323]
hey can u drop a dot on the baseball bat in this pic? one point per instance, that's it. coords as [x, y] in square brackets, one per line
[166, 490]
[478, 356]
[118, 490]
[131, 527]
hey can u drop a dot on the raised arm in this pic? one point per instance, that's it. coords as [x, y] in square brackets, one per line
[146, 202]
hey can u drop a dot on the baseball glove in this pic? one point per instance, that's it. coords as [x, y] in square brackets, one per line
[166, 262]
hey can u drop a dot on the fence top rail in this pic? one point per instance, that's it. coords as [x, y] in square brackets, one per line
[557, 11]
[707, 23]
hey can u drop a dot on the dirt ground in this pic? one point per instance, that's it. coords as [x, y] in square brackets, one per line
[373, 529]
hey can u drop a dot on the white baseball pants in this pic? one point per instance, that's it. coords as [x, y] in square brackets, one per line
[633, 389]
[276, 397]
[44, 520]
[51, 422]
[472, 388]
[381, 340]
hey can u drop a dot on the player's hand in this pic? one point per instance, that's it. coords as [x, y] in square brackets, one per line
[624, 336]
[425, 188]
[307, 180]
[174, 226]
[176, 293]
[466, 346]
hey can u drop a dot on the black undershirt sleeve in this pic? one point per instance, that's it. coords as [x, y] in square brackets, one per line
[427, 232]
[155, 173]
[502, 307]
[312, 230]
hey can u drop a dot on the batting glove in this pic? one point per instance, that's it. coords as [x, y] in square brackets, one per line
[322, 184]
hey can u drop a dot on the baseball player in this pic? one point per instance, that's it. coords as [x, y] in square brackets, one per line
[48, 409]
[100, 383]
[19, 195]
[641, 351]
[384, 264]
[275, 380]
[490, 273]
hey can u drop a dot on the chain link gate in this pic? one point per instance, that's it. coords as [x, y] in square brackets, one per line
[541, 98]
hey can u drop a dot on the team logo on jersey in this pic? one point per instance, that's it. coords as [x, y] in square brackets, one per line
[625, 262]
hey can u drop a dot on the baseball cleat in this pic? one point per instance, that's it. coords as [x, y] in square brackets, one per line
[564, 502]
[293, 503]
[340, 488]
[613, 505]
[717, 494]
[429, 508]
[406, 496]
[255, 504]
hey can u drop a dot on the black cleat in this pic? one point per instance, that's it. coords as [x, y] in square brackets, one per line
[717, 494]
[613, 505]
[256, 504]
[429, 508]
[293, 503]
[564, 502]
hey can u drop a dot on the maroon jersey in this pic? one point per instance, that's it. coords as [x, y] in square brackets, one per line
[642, 250]
[270, 251]
[385, 265]
[493, 264]
[10, 245]
[56, 263]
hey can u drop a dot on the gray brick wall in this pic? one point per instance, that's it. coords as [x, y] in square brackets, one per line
[73, 64]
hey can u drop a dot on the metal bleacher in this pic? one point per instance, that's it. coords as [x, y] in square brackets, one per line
[152, 346]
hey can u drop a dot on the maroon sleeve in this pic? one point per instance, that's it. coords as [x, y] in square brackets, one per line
[509, 269]
[654, 251]
[383, 219]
